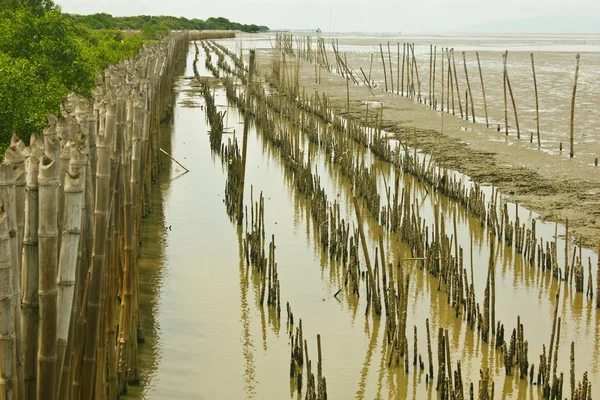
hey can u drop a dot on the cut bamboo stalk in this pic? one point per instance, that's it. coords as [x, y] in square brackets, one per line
[8, 199]
[101, 213]
[30, 303]
[74, 196]
[537, 104]
[571, 123]
[8, 344]
[505, 95]
[48, 260]
[240, 216]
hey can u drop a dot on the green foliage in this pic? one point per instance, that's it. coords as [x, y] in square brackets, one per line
[148, 23]
[44, 57]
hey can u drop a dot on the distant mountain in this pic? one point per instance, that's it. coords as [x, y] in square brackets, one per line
[550, 24]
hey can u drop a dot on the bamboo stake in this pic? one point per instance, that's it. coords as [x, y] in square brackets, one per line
[30, 303]
[240, 216]
[74, 187]
[48, 253]
[537, 106]
[398, 86]
[505, 96]
[391, 71]
[171, 157]
[383, 64]
[101, 211]
[376, 302]
[469, 86]
[456, 83]
[8, 345]
[487, 125]
[571, 124]
[512, 98]
[402, 74]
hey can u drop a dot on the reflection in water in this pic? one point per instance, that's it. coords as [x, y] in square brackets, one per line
[246, 337]
[195, 322]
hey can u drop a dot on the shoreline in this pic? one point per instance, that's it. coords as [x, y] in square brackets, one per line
[551, 185]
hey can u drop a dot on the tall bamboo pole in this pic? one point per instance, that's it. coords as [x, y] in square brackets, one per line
[8, 198]
[512, 97]
[383, 65]
[8, 345]
[101, 211]
[48, 265]
[74, 187]
[456, 83]
[487, 124]
[391, 70]
[30, 303]
[571, 124]
[240, 216]
[537, 104]
[469, 86]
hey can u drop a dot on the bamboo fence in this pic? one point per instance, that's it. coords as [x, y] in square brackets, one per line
[70, 209]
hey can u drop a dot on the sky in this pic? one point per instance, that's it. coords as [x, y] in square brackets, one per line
[408, 16]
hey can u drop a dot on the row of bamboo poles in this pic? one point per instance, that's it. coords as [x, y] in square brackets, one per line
[263, 267]
[408, 83]
[515, 353]
[70, 209]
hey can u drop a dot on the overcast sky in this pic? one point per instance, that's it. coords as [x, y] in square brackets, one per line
[352, 15]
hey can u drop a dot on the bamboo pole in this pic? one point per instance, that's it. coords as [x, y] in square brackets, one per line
[74, 196]
[101, 211]
[383, 65]
[456, 83]
[402, 74]
[8, 198]
[391, 71]
[240, 216]
[505, 95]
[469, 86]
[398, 86]
[537, 104]
[512, 97]
[571, 123]
[433, 101]
[48, 253]
[376, 302]
[30, 303]
[8, 345]
[487, 124]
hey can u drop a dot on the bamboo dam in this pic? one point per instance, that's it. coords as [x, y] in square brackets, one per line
[237, 222]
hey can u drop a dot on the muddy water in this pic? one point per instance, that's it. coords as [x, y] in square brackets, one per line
[207, 338]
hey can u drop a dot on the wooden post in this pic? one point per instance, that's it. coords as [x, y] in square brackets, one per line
[402, 78]
[487, 124]
[433, 102]
[240, 216]
[537, 106]
[571, 151]
[505, 96]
